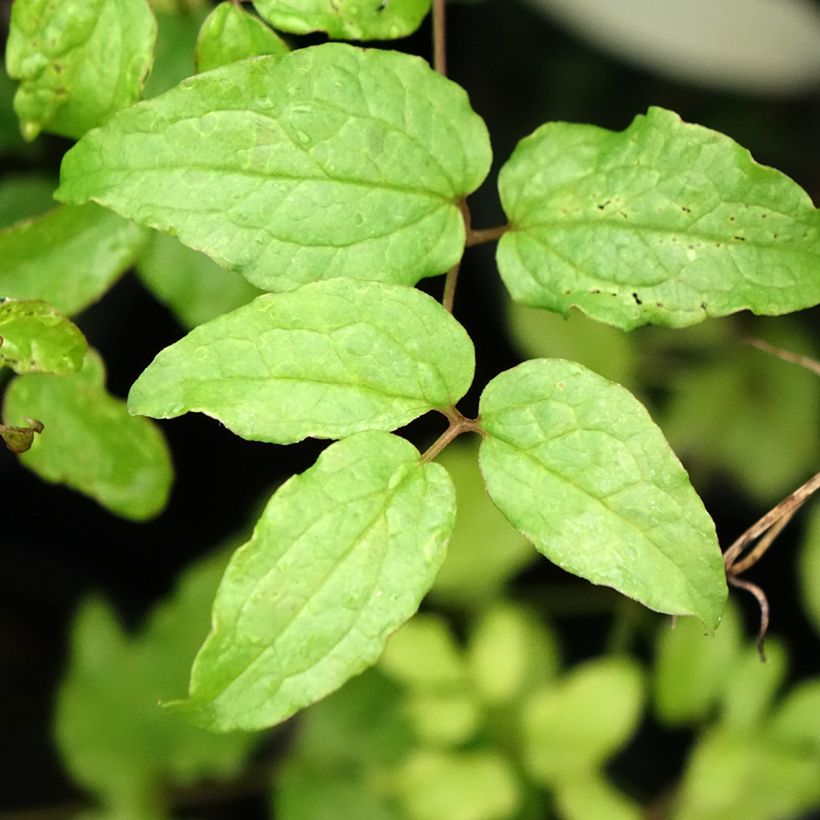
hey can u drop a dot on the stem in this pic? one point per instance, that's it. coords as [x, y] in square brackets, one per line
[451, 281]
[439, 37]
[763, 603]
[786, 507]
[458, 424]
[484, 235]
[786, 355]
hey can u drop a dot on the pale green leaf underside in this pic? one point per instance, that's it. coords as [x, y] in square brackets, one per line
[35, 338]
[90, 443]
[342, 556]
[78, 62]
[194, 287]
[330, 161]
[665, 223]
[577, 465]
[229, 34]
[67, 257]
[326, 360]
[346, 19]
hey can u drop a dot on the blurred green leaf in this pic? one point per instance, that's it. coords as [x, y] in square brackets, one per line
[572, 726]
[796, 723]
[509, 652]
[113, 737]
[195, 163]
[749, 415]
[35, 338]
[578, 466]
[78, 62]
[423, 654]
[732, 775]
[346, 21]
[67, 257]
[808, 568]
[664, 222]
[485, 550]
[609, 352]
[189, 283]
[342, 557]
[752, 686]
[593, 798]
[23, 196]
[230, 34]
[90, 442]
[326, 360]
[444, 719]
[477, 785]
[176, 40]
[692, 668]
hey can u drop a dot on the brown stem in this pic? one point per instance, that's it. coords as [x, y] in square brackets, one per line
[763, 603]
[484, 235]
[785, 507]
[786, 355]
[451, 281]
[439, 37]
[762, 545]
[458, 424]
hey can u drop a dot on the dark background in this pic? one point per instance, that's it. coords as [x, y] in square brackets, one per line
[56, 546]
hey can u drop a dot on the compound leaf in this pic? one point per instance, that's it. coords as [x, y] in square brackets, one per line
[90, 442]
[342, 556]
[279, 167]
[229, 34]
[665, 223]
[78, 62]
[577, 465]
[326, 360]
[35, 338]
[194, 287]
[67, 257]
[346, 19]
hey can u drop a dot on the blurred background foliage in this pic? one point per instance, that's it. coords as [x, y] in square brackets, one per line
[518, 692]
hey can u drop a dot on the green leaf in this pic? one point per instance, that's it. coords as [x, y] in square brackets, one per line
[577, 465]
[749, 415]
[444, 719]
[424, 655]
[664, 222]
[90, 443]
[35, 338]
[113, 737]
[692, 669]
[752, 686]
[485, 552]
[346, 20]
[476, 785]
[593, 797]
[230, 34]
[78, 62]
[278, 167]
[176, 40]
[809, 569]
[795, 723]
[341, 557]
[733, 775]
[67, 257]
[326, 360]
[510, 651]
[194, 288]
[23, 196]
[571, 728]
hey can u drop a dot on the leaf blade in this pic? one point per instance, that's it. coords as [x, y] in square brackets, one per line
[277, 167]
[35, 338]
[78, 62]
[366, 21]
[665, 222]
[326, 360]
[577, 465]
[340, 558]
